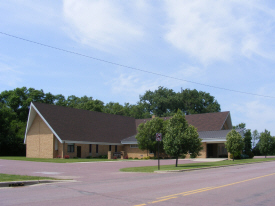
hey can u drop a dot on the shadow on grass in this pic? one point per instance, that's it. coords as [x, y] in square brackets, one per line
[192, 166]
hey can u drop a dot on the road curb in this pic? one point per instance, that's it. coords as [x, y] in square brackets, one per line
[204, 168]
[29, 182]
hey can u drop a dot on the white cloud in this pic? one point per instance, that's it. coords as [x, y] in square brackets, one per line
[217, 30]
[132, 84]
[257, 115]
[29, 12]
[9, 76]
[104, 25]
[189, 72]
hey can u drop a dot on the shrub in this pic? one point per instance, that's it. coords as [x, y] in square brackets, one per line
[256, 150]
[236, 156]
[102, 156]
[58, 156]
[130, 158]
[75, 157]
[250, 154]
[115, 157]
[182, 156]
[193, 155]
[126, 157]
[136, 158]
[244, 156]
[146, 158]
[89, 157]
[66, 156]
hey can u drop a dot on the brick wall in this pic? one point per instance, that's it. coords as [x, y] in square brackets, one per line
[85, 150]
[135, 152]
[40, 140]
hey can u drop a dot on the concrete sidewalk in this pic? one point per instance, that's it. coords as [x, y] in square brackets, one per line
[209, 159]
[30, 182]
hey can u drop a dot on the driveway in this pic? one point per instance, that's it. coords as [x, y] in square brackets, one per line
[101, 183]
[88, 171]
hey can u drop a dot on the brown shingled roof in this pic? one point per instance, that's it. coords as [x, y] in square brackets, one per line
[82, 125]
[203, 122]
[208, 121]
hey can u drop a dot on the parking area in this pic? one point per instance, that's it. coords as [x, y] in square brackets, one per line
[101, 183]
[79, 171]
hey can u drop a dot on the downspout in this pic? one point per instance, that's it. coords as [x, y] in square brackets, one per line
[63, 149]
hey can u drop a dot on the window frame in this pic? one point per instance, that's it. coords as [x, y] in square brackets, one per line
[90, 148]
[70, 147]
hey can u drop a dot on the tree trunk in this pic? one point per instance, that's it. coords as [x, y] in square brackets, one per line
[176, 161]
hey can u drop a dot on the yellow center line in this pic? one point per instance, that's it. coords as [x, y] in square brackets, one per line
[191, 192]
[184, 192]
[163, 199]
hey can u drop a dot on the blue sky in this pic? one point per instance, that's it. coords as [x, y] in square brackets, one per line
[227, 44]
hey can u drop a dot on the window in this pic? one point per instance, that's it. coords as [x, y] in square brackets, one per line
[90, 148]
[96, 148]
[116, 148]
[70, 147]
[133, 146]
[110, 147]
[151, 152]
[56, 144]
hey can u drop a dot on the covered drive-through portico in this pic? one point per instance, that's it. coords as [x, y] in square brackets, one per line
[216, 150]
[213, 143]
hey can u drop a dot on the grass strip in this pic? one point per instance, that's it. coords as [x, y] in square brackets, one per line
[9, 178]
[57, 160]
[194, 165]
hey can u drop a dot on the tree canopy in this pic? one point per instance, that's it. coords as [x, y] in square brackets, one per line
[267, 143]
[165, 102]
[247, 142]
[146, 136]
[181, 138]
[234, 142]
[239, 126]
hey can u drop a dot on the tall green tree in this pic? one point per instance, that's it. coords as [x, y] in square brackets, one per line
[247, 142]
[239, 126]
[161, 102]
[146, 136]
[14, 111]
[165, 102]
[11, 132]
[196, 102]
[137, 111]
[234, 142]
[181, 138]
[266, 143]
[114, 108]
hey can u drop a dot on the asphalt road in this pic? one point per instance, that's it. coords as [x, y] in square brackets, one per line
[103, 184]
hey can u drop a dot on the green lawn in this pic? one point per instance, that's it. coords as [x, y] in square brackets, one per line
[55, 160]
[8, 178]
[192, 165]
